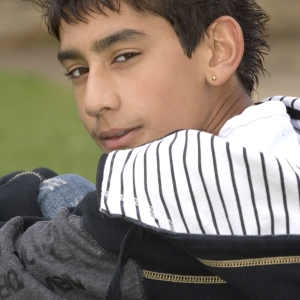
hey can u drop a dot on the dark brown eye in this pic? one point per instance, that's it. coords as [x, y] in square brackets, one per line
[77, 72]
[126, 56]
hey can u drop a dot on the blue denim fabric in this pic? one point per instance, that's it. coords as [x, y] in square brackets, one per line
[62, 191]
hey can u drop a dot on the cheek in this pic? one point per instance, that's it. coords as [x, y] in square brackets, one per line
[168, 84]
[78, 98]
[154, 91]
[154, 106]
[85, 119]
[167, 104]
[163, 99]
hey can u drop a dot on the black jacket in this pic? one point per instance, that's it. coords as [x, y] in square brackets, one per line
[161, 265]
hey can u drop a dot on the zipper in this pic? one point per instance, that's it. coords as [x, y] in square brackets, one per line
[26, 173]
[182, 278]
[255, 262]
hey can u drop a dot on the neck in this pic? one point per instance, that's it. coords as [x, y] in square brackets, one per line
[228, 105]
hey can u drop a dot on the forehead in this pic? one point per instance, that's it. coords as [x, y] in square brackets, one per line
[99, 25]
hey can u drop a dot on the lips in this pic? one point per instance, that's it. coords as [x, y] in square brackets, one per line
[113, 133]
[119, 138]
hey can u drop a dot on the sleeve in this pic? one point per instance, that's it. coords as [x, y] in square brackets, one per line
[18, 193]
[15, 281]
[67, 261]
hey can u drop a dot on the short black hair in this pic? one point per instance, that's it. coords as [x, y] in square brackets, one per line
[189, 18]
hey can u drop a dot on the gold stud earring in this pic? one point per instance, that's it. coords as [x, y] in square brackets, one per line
[214, 78]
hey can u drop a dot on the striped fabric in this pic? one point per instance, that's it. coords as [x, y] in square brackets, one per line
[290, 103]
[195, 182]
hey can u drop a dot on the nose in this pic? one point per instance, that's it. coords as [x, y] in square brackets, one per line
[101, 95]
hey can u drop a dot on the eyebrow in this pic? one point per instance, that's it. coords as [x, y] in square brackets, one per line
[119, 36]
[102, 44]
[64, 55]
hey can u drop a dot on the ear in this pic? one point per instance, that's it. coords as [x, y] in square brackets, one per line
[227, 48]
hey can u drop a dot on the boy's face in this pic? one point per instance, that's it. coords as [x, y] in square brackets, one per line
[132, 81]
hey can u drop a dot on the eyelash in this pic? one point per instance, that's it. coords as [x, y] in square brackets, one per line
[127, 56]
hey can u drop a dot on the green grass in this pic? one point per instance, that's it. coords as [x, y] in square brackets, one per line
[39, 126]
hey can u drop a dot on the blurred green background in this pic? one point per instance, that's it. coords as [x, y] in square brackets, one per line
[39, 125]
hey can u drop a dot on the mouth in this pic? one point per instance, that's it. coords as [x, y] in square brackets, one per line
[122, 133]
[119, 138]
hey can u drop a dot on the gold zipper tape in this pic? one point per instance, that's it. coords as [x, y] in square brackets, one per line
[241, 263]
[182, 278]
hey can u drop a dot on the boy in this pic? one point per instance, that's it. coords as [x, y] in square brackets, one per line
[142, 70]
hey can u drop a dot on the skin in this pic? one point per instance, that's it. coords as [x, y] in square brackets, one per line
[133, 83]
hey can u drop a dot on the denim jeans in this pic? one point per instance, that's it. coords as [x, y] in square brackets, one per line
[62, 191]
